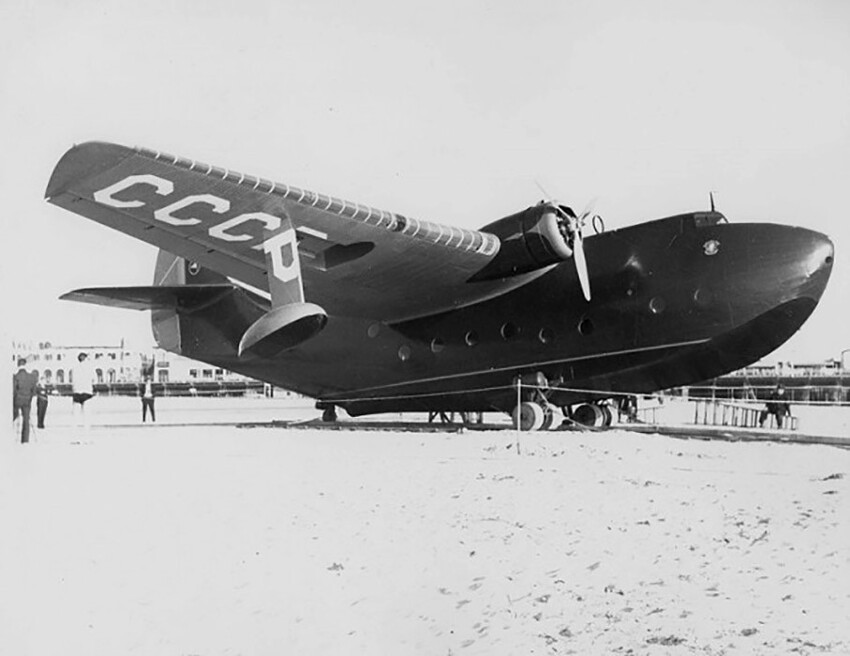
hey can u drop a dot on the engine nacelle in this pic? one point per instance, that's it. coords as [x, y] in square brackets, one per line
[530, 240]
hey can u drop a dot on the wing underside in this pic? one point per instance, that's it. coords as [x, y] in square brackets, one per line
[355, 260]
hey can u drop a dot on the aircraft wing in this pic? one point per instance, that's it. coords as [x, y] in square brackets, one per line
[355, 260]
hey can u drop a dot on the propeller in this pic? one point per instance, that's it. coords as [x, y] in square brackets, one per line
[573, 226]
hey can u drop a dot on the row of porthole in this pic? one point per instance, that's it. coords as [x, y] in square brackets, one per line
[510, 331]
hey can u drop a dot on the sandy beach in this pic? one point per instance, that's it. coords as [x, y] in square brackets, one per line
[223, 540]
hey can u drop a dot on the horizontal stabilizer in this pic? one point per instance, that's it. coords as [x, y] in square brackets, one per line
[181, 297]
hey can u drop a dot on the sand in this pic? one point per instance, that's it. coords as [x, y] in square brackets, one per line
[220, 540]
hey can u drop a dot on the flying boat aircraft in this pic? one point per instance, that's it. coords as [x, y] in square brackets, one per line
[372, 311]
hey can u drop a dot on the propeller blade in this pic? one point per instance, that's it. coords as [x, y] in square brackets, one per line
[576, 223]
[581, 264]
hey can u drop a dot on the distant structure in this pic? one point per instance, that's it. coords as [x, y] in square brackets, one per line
[791, 369]
[167, 367]
[115, 365]
[826, 382]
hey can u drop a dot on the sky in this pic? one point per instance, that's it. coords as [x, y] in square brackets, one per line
[446, 111]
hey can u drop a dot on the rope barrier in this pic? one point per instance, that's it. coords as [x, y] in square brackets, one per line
[590, 392]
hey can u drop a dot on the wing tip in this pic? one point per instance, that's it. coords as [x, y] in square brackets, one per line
[82, 295]
[82, 161]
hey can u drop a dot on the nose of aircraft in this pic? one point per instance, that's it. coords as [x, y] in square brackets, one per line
[810, 256]
[769, 279]
[818, 258]
[772, 264]
[775, 279]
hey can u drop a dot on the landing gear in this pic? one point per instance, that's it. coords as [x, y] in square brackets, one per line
[588, 414]
[548, 418]
[593, 414]
[607, 415]
[529, 416]
[534, 411]
[329, 414]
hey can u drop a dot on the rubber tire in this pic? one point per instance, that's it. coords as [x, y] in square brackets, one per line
[588, 414]
[329, 415]
[530, 417]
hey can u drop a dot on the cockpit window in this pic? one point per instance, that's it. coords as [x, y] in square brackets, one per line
[703, 219]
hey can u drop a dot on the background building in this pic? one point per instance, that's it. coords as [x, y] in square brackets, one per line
[119, 369]
[112, 364]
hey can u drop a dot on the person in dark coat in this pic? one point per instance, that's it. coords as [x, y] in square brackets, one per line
[41, 400]
[23, 389]
[146, 392]
[777, 405]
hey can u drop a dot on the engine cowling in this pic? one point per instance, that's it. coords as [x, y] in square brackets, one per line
[532, 239]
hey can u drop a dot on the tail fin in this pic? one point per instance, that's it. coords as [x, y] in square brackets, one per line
[172, 270]
[195, 311]
[179, 286]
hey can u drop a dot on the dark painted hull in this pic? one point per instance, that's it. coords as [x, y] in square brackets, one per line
[675, 301]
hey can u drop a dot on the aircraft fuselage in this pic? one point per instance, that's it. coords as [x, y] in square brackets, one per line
[675, 301]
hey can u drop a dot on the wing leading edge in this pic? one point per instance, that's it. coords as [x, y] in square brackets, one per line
[356, 260]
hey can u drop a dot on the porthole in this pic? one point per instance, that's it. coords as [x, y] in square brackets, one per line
[437, 345]
[546, 335]
[373, 330]
[585, 326]
[404, 353]
[657, 305]
[703, 297]
[509, 331]
[193, 268]
[471, 338]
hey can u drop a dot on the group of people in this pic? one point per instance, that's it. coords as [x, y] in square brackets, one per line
[26, 386]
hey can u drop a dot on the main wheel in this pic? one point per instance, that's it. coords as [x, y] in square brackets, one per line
[528, 416]
[588, 414]
[329, 414]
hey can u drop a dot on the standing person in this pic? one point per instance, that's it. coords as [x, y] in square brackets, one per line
[23, 389]
[83, 386]
[777, 405]
[41, 402]
[628, 406]
[147, 399]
